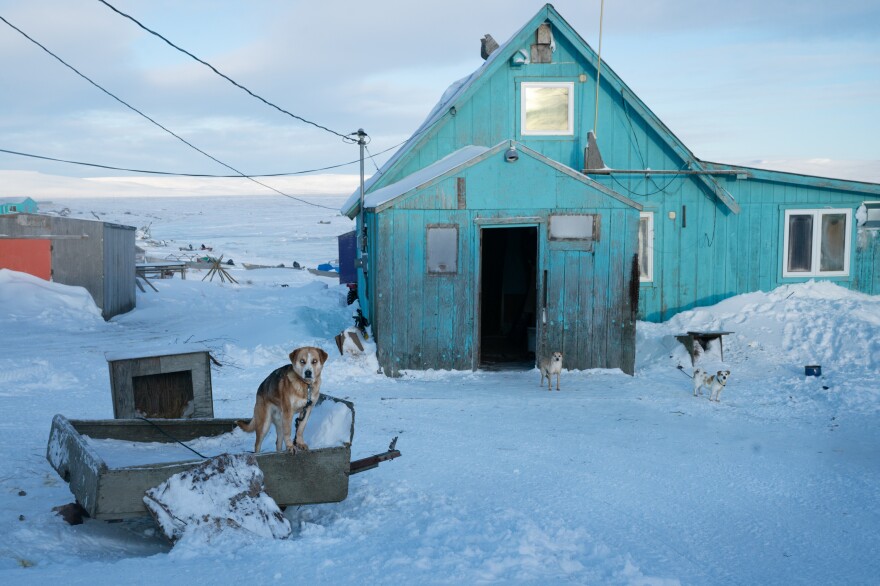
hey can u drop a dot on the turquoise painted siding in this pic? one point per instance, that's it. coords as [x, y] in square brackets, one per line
[18, 206]
[726, 237]
[431, 321]
[867, 269]
[720, 254]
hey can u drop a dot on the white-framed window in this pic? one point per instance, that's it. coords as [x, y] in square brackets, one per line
[817, 243]
[646, 247]
[442, 249]
[574, 227]
[547, 108]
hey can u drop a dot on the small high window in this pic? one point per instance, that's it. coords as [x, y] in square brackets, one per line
[442, 249]
[816, 243]
[547, 108]
[574, 227]
[646, 247]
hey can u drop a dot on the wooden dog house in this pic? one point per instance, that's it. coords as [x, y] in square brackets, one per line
[165, 383]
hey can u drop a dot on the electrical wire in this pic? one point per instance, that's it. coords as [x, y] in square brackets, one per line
[656, 191]
[372, 159]
[379, 172]
[129, 106]
[239, 173]
[639, 151]
[633, 138]
[226, 77]
[635, 141]
[178, 174]
[172, 173]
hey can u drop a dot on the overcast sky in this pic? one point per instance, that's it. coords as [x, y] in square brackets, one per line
[778, 84]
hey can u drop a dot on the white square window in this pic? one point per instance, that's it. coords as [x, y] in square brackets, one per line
[547, 108]
[646, 247]
[573, 227]
[442, 249]
[816, 243]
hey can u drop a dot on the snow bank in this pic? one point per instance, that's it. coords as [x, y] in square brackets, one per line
[25, 296]
[808, 323]
[776, 334]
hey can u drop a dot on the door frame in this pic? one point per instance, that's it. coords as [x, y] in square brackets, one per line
[481, 224]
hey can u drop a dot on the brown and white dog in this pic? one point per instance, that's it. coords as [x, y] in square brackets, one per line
[714, 382]
[285, 392]
[549, 367]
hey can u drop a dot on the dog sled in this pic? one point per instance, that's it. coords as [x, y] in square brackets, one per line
[109, 482]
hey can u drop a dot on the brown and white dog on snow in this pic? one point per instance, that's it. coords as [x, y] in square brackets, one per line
[284, 393]
[714, 382]
[549, 367]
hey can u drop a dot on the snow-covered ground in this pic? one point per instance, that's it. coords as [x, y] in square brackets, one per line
[613, 480]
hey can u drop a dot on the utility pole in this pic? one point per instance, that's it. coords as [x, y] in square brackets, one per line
[362, 238]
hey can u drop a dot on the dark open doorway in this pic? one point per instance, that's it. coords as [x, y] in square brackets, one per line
[508, 261]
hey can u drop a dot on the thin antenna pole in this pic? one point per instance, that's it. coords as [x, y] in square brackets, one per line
[599, 70]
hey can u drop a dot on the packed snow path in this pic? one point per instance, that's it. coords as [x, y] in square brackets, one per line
[612, 480]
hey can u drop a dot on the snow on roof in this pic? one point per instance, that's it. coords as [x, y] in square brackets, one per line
[152, 350]
[447, 100]
[413, 180]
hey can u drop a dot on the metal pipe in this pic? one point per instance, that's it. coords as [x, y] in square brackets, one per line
[598, 70]
[663, 172]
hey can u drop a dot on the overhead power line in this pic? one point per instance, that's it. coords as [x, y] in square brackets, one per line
[178, 137]
[172, 173]
[224, 76]
[177, 174]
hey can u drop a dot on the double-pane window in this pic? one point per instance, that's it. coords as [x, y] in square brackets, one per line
[817, 243]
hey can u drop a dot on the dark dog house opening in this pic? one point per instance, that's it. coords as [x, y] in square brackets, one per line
[508, 260]
[172, 382]
[168, 395]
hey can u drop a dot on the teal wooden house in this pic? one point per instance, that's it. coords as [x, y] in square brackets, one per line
[18, 206]
[520, 219]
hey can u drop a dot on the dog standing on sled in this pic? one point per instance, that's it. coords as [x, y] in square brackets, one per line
[290, 390]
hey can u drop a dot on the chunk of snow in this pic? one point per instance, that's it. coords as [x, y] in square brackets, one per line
[861, 215]
[222, 493]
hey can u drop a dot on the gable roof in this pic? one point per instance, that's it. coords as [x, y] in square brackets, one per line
[451, 96]
[386, 196]
[461, 90]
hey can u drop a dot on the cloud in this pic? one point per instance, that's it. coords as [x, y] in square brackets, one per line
[754, 80]
[853, 170]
